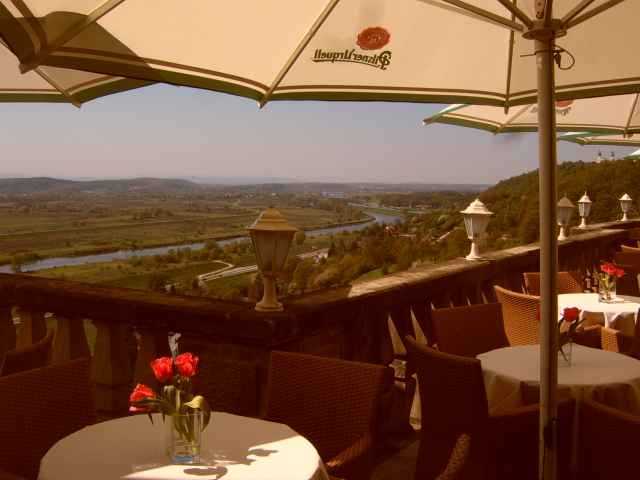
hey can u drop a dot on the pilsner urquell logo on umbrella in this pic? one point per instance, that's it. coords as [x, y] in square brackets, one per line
[371, 38]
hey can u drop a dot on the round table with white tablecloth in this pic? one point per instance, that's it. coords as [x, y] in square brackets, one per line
[616, 313]
[617, 375]
[233, 448]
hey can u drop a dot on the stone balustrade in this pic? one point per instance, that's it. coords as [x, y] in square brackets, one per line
[125, 329]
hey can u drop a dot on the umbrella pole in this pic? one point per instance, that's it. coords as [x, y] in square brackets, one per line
[544, 46]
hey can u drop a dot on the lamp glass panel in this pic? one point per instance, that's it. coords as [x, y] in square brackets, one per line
[584, 209]
[264, 244]
[564, 215]
[625, 205]
[476, 225]
[283, 243]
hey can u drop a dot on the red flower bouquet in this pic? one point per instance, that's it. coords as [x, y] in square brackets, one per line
[609, 272]
[189, 414]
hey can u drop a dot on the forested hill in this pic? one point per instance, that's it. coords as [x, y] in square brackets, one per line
[515, 200]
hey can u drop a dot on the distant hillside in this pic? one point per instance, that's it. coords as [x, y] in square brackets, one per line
[515, 200]
[357, 187]
[45, 185]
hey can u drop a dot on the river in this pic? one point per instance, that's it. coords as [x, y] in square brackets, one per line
[144, 252]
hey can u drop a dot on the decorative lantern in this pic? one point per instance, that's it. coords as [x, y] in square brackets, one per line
[476, 219]
[565, 210]
[584, 209]
[625, 205]
[271, 236]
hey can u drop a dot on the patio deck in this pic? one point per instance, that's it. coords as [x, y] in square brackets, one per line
[124, 329]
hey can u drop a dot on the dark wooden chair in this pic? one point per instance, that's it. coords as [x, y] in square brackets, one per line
[40, 407]
[32, 356]
[454, 403]
[333, 403]
[568, 282]
[609, 440]
[469, 330]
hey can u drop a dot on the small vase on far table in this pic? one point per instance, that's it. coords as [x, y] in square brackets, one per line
[607, 291]
[607, 282]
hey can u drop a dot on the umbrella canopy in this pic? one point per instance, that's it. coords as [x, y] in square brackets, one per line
[618, 114]
[495, 52]
[588, 138]
[635, 155]
[52, 84]
[441, 51]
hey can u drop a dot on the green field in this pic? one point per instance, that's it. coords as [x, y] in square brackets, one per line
[58, 232]
[123, 274]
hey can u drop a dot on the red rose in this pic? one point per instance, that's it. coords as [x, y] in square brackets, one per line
[187, 364]
[373, 38]
[162, 368]
[571, 314]
[140, 393]
[618, 272]
[607, 268]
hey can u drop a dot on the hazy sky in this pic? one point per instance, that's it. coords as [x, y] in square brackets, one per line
[168, 131]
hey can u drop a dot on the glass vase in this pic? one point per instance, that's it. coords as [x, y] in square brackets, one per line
[564, 354]
[184, 437]
[607, 291]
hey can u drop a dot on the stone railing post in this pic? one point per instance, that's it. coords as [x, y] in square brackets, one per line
[70, 341]
[7, 331]
[32, 327]
[111, 367]
[151, 344]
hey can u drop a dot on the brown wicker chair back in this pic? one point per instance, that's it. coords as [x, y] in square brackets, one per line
[520, 314]
[469, 331]
[628, 249]
[332, 402]
[40, 407]
[568, 282]
[29, 357]
[627, 257]
[453, 402]
[609, 440]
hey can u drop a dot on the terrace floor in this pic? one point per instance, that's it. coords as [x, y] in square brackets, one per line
[400, 465]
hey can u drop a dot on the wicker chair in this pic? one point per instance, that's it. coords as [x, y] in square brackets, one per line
[469, 331]
[616, 341]
[454, 402]
[568, 282]
[40, 407]
[520, 314]
[628, 249]
[609, 440]
[29, 357]
[334, 403]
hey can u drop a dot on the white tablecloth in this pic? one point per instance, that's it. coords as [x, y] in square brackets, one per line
[591, 369]
[233, 448]
[614, 313]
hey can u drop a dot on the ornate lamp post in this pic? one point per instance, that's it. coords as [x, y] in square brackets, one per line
[565, 210]
[271, 236]
[476, 219]
[584, 209]
[625, 205]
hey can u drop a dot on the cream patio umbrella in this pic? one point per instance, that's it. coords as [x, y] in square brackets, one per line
[52, 84]
[635, 155]
[495, 52]
[616, 115]
[589, 138]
